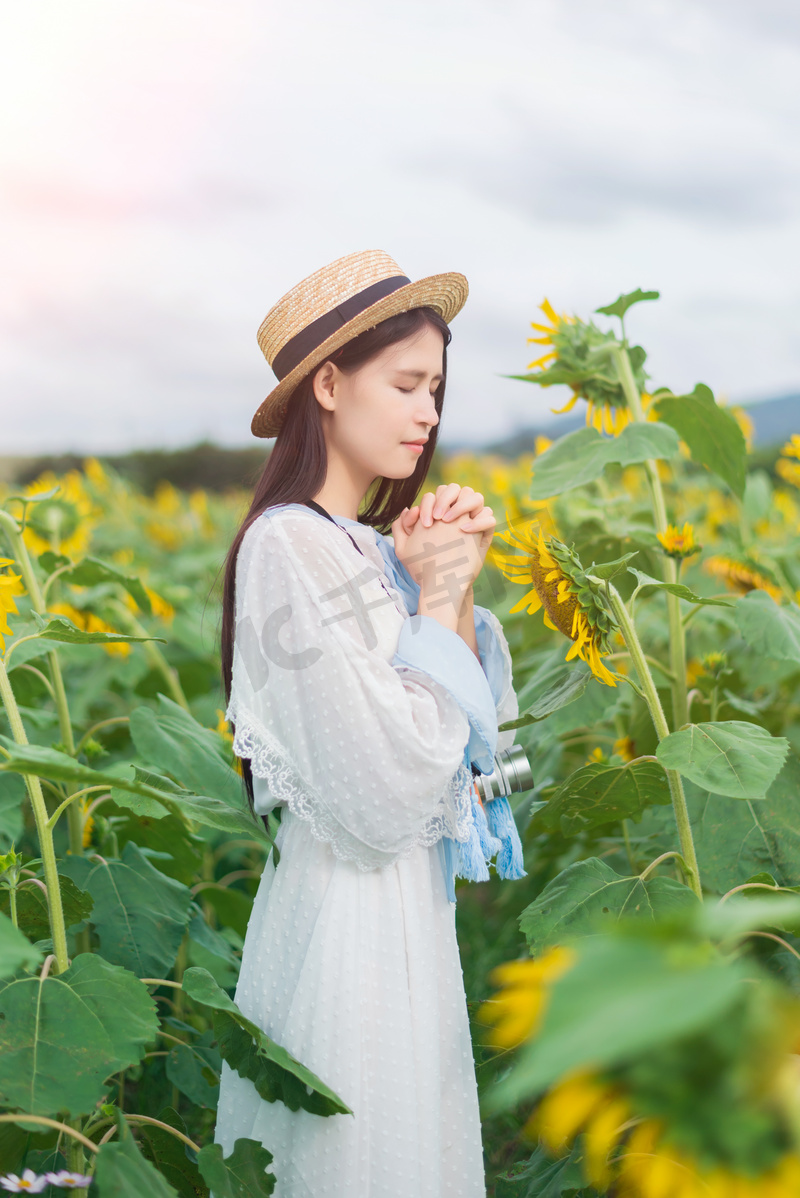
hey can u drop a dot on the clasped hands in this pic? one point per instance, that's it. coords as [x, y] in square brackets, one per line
[452, 518]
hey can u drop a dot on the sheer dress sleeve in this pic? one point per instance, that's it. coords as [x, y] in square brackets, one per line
[493, 648]
[350, 710]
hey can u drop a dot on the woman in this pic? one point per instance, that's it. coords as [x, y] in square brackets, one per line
[363, 683]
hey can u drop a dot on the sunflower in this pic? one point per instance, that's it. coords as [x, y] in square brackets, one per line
[158, 605]
[678, 542]
[578, 357]
[633, 1152]
[787, 469]
[87, 621]
[625, 748]
[745, 422]
[10, 588]
[650, 1168]
[517, 1009]
[743, 576]
[560, 586]
[64, 522]
[88, 821]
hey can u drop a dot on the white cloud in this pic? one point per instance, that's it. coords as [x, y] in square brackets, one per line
[171, 168]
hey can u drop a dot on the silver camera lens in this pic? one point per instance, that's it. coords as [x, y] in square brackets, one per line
[512, 773]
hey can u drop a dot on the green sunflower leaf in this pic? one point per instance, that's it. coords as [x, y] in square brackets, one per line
[771, 629]
[62, 1036]
[59, 628]
[598, 794]
[712, 434]
[582, 456]
[91, 571]
[16, 951]
[727, 757]
[621, 305]
[589, 894]
[275, 1073]
[243, 1174]
[645, 585]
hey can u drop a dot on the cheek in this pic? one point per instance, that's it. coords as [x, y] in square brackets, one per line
[380, 416]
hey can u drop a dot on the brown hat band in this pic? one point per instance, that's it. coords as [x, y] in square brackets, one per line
[299, 347]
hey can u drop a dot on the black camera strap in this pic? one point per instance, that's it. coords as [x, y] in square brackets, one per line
[312, 503]
[317, 507]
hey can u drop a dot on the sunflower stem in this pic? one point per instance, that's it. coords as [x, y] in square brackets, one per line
[156, 658]
[54, 905]
[631, 637]
[677, 635]
[22, 557]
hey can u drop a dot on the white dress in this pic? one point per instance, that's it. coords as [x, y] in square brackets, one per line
[360, 719]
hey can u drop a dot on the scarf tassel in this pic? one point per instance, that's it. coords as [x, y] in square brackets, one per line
[472, 852]
[503, 826]
[493, 835]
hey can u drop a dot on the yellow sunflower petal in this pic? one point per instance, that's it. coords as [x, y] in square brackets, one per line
[544, 358]
[568, 406]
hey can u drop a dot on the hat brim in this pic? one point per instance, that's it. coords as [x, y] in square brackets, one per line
[445, 293]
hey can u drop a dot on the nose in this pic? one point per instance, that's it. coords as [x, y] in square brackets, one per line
[427, 413]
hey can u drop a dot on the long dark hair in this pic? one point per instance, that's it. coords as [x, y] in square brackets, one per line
[297, 466]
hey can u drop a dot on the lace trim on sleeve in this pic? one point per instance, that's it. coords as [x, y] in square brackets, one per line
[452, 816]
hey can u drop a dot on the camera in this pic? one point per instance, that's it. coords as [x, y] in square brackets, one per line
[512, 773]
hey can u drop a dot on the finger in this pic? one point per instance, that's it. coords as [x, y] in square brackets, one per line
[426, 508]
[468, 501]
[480, 523]
[409, 518]
[446, 494]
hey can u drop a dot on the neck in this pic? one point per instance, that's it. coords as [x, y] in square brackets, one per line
[344, 488]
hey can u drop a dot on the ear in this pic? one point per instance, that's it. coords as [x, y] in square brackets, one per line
[325, 380]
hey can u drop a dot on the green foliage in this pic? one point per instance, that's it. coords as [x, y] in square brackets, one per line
[736, 840]
[195, 1068]
[621, 305]
[582, 456]
[645, 585]
[16, 951]
[770, 629]
[730, 757]
[59, 628]
[588, 895]
[139, 913]
[33, 916]
[90, 571]
[60, 767]
[243, 1174]
[273, 1071]
[712, 434]
[60, 1038]
[170, 1156]
[600, 794]
[640, 995]
[156, 865]
[12, 796]
[123, 1172]
[542, 1177]
[553, 686]
[170, 739]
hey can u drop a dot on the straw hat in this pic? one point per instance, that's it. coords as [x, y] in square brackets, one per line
[335, 304]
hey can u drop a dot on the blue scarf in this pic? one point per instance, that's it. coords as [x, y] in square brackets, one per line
[493, 835]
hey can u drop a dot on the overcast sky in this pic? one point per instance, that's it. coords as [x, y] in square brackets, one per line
[169, 168]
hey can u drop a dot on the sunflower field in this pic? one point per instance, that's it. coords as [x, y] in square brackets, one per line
[635, 999]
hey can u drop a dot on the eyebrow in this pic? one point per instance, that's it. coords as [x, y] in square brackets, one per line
[419, 374]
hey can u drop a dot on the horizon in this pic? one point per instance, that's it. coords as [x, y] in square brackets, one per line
[148, 224]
